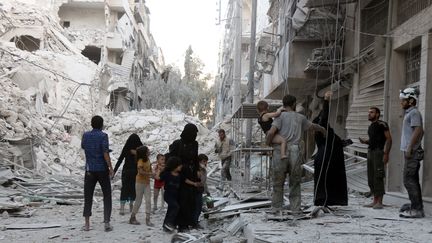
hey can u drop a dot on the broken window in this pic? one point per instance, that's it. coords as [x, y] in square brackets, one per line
[66, 24]
[115, 56]
[26, 42]
[93, 53]
[373, 22]
[412, 65]
[408, 8]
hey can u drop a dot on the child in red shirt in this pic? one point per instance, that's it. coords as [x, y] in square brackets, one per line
[158, 167]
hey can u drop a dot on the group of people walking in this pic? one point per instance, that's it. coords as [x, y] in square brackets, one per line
[181, 180]
[180, 174]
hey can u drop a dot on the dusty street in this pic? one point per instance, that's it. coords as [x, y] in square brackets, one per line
[353, 223]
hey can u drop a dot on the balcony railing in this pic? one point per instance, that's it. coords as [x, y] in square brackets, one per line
[409, 8]
[323, 59]
[318, 28]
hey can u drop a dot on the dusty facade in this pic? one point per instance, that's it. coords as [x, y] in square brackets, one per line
[61, 67]
[116, 35]
[351, 48]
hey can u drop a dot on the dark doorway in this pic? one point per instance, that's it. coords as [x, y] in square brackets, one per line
[93, 53]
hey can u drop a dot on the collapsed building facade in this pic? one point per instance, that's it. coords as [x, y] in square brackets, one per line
[363, 51]
[63, 61]
[115, 34]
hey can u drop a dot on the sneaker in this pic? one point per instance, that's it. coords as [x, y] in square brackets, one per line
[413, 213]
[168, 228]
[108, 227]
[133, 221]
[405, 207]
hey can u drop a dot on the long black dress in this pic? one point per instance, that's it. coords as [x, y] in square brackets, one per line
[186, 148]
[329, 178]
[129, 168]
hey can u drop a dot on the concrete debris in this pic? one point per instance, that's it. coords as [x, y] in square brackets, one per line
[30, 226]
[236, 226]
[187, 238]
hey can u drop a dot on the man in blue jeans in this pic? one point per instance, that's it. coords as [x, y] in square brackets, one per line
[412, 134]
[98, 168]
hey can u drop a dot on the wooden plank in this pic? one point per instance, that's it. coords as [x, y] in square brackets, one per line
[245, 206]
[30, 226]
[357, 233]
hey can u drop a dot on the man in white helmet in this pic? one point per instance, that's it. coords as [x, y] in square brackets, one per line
[412, 134]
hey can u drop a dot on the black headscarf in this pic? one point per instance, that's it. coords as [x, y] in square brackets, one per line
[132, 142]
[189, 133]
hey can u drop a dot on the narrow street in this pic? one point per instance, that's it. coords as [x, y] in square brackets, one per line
[251, 120]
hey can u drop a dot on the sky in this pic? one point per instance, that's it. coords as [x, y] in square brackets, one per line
[176, 24]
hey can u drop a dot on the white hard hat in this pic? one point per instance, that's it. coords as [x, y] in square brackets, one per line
[409, 93]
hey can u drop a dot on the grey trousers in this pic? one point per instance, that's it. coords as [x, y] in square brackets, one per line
[411, 178]
[142, 190]
[292, 166]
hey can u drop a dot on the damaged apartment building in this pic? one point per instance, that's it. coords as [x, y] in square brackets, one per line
[63, 60]
[115, 34]
[364, 51]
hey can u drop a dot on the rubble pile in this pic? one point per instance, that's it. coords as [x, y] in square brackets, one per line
[157, 130]
[81, 38]
[19, 19]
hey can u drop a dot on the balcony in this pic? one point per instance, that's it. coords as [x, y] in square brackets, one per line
[114, 41]
[322, 61]
[291, 77]
[116, 5]
[92, 4]
[319, 25]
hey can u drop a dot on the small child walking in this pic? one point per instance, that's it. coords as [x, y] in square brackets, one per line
[142, 186]
[172, 179]
[202, 188]
[158, 183]
[265, 121]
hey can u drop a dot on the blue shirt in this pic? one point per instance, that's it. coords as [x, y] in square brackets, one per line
[95, 144]
[412, 119]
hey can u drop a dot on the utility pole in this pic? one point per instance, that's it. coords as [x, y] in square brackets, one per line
[237, 57]
[250, 95]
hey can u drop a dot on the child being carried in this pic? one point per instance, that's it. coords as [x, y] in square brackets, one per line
[265, 121]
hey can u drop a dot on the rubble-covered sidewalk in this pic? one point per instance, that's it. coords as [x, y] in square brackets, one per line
[52, 222]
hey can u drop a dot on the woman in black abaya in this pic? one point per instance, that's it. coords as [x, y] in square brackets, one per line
[129, 171]
[330, 184]
[186, 148]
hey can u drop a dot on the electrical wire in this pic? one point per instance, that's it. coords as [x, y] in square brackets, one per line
[44, 68]
[405, 34]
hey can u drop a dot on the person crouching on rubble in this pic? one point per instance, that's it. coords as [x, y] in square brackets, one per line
[172, 179]
[142, 185]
